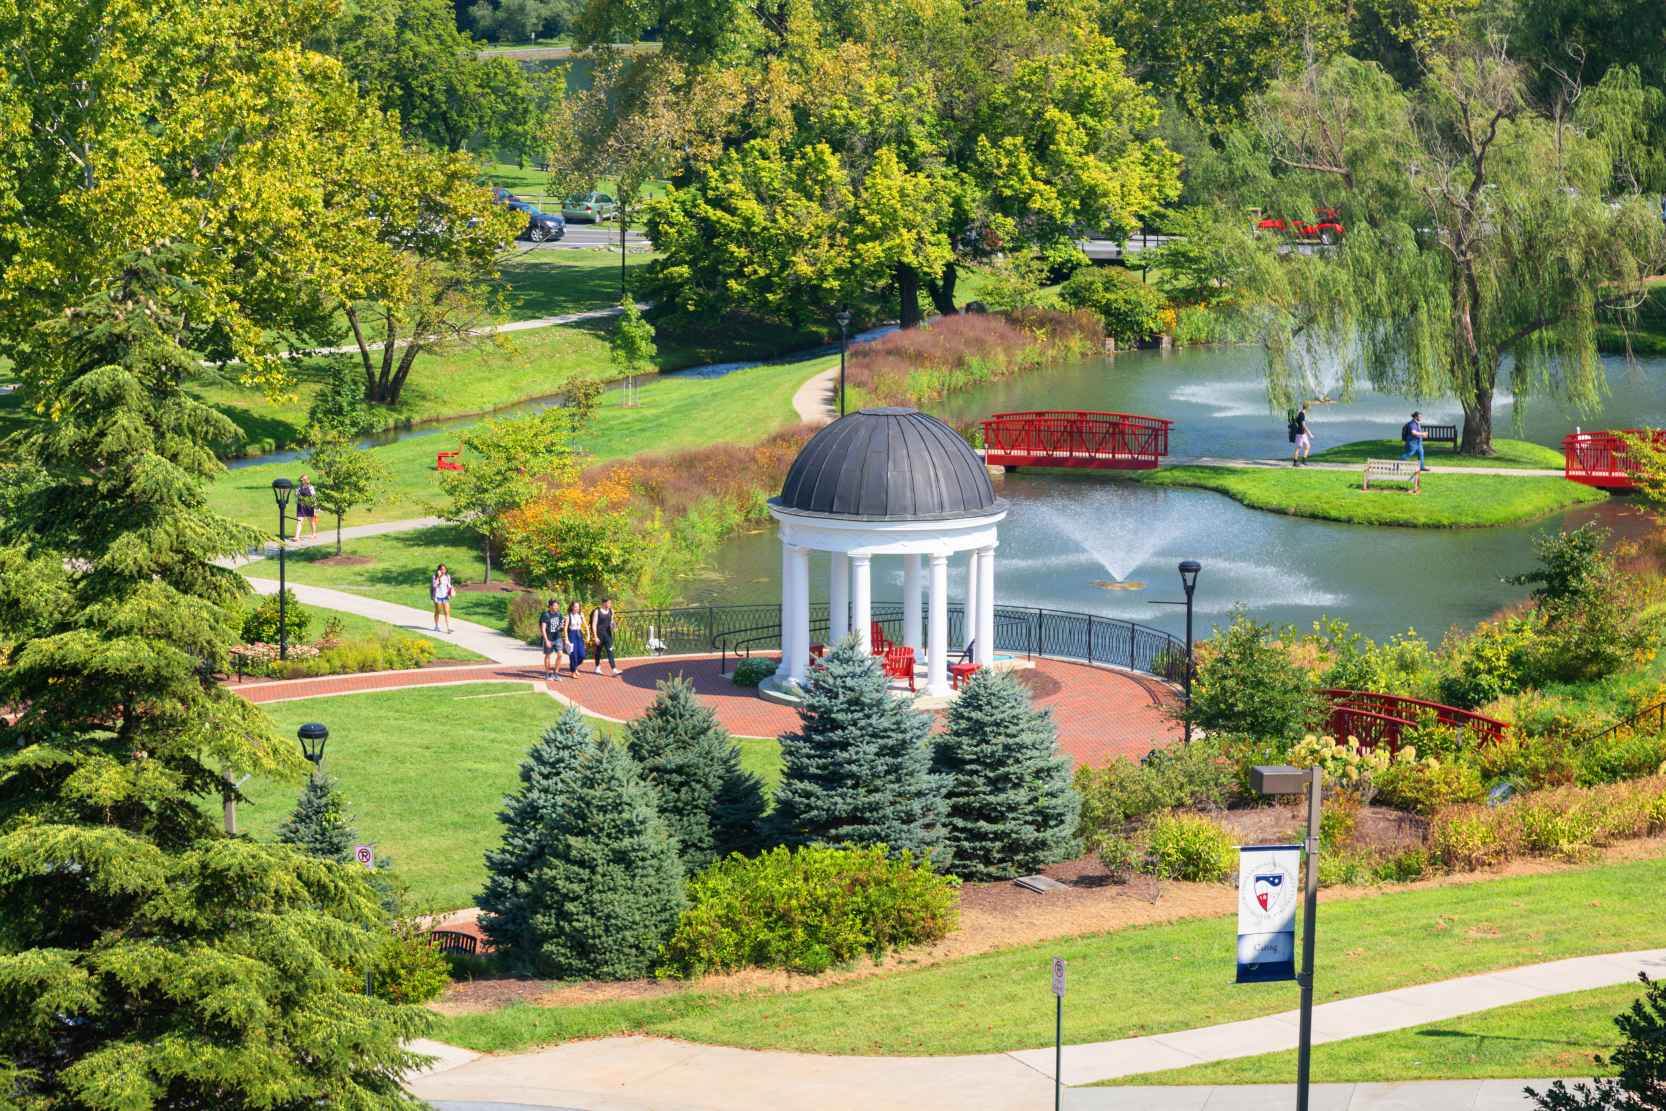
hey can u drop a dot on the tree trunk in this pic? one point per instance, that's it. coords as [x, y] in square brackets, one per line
[1477, 435]
[942, 289]
[338, 534]
[486, 546]
[621, 217]
[908, 288]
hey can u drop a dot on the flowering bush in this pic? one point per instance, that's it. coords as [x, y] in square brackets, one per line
[1344, 763]
[581, 538]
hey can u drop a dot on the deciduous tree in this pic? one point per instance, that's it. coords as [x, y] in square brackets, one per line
[504, 463]
[348, 478]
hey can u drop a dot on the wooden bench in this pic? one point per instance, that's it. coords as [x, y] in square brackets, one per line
[1393, 470]
[453, 941]
[1440, 434]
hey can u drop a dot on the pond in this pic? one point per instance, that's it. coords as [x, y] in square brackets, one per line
[1094, 544]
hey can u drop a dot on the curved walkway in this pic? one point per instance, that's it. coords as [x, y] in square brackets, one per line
[1100, 713]
[1259, 464]
[638, 1073]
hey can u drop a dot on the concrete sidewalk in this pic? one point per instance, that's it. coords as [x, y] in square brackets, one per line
[636, 1073]
[1273, 464]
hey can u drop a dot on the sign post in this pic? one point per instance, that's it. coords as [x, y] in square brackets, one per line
[366, 855]
[1058, 1033]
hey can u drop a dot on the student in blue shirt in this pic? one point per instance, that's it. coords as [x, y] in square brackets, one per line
[1412, 436]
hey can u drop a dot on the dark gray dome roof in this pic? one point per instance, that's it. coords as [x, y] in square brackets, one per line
[897, 464]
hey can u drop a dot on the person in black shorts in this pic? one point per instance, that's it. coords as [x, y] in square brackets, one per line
[306, 507]
[601, 628]
[552, 627]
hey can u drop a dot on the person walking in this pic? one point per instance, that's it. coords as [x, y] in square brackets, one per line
[601, 631]
[439, 589]
[1412, 435]
[552, 627]
[1301, 436]
[306, 506]
[576, 636]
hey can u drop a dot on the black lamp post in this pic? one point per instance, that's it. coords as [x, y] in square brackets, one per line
[1188, 580]
[281, 488]
[1282, 779]
[843, 317]
[313, 735]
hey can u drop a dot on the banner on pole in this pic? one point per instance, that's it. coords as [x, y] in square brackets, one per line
[1267, 890]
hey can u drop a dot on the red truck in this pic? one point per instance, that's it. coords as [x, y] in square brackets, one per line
[1326, 226]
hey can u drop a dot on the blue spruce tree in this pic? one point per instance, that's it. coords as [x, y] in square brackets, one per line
[516, 892]
[859, 767]
[711, 805]
[1011, 806]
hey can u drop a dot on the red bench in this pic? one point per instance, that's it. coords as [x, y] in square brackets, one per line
[447, 461]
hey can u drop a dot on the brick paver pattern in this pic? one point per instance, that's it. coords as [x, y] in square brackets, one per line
[1100, 713]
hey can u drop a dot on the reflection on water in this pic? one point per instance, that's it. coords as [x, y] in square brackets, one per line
[1067, 537]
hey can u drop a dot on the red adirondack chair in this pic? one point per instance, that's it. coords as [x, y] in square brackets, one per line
[877, 639]
[899, 663]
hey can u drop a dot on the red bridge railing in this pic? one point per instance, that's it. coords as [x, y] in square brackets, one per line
[1601, 458]
[1373, 718]
[1075, 438]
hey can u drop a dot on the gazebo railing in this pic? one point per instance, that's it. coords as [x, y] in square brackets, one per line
[739, 631]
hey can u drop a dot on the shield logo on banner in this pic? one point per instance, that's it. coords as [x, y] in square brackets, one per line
[1267, 888]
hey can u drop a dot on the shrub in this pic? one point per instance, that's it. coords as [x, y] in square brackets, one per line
[1120, 856]
[1620, 756]
[391, 653]
[582, 538]
[1546, 827]
[858, 768]
[1495, 660]
[1131, 310]
[916, 365]
[261, 623]
[1344, 763]
[1466, 838]
[1181, 777]
[320, 825]
[711, 805]
[1424, 786]
[1187, 847]
[525, 606]
[409, 968]
[1011, 808]
[808, 909]
[1246, 683]
[1402, 867]
[754, 670]
[1529, 761]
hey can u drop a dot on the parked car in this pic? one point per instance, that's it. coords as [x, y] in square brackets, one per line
[593, 207]
[541, 226]
[1326, 226]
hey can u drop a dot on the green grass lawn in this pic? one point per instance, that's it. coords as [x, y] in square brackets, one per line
[671, 413]
[1511, 453]
[1137, 981]
[424, 771]
[1447, 501]
[1557, 1036]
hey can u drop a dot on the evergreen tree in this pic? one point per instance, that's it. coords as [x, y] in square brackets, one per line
[711, 805]
[516, 891]
[615, 881]
[1011, 807]
[318, 825]
[859, 768]
[146, 960]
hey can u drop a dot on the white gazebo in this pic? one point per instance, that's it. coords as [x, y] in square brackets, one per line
[876, 484]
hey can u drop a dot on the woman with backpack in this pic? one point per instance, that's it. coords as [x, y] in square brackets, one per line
[440, 591]
[306, 506]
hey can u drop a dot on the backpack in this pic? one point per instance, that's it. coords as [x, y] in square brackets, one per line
[1405, 433]
[1291, 426]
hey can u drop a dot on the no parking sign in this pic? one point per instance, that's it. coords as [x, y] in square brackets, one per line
[365, 855]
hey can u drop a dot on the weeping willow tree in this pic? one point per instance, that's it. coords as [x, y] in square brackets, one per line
[1482, 226]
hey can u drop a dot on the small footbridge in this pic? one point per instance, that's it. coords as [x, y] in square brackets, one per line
[1075, 438]
[1602, 458]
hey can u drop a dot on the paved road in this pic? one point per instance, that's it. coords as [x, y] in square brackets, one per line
[593, 235]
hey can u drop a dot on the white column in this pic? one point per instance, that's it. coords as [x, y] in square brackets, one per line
[969, 621]
[911, 602]
[937, 649]
[986, 606]
[838, 598]
[787, 622]
[798, 637]
[861, 599]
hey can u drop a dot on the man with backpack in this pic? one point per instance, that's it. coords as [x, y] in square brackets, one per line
[1301, 437]
[1411, 434]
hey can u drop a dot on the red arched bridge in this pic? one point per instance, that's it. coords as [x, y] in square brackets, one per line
[1373, 718]
[1602, 458]
[1075, 438]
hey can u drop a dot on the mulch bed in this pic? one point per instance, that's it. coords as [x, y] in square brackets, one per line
[344, 561]
[487, 588]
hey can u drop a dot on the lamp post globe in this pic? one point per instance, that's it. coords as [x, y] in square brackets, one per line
[281, 488]
[843, 318]
[312, 736]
